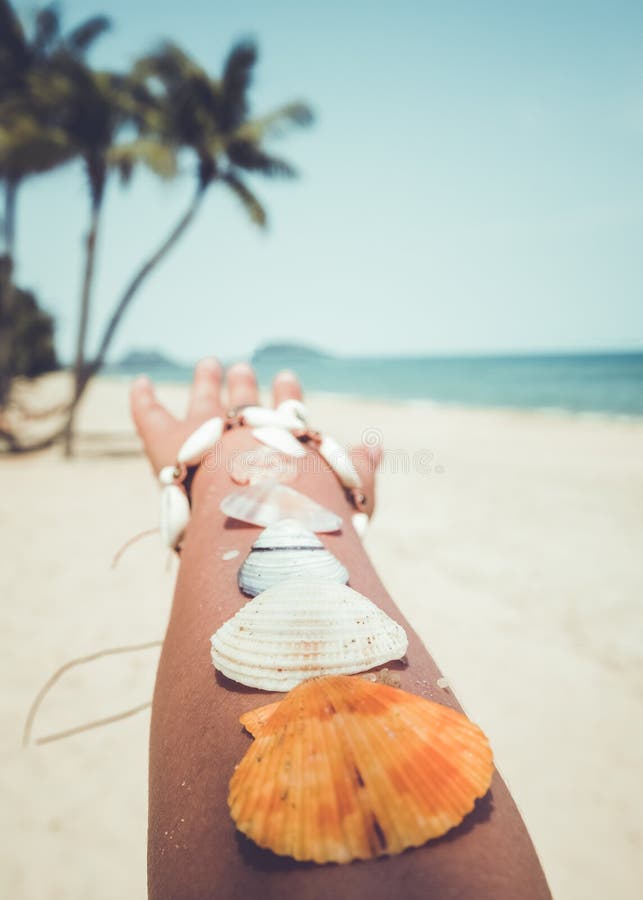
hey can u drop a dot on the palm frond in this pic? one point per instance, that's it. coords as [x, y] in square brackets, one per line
[80, 39]
[14, 52]
[237, 75]
[47, 29]
[278, 122]
[249, 156]
[169, 64]
[158, 157]
[26, 148]
[248, 200]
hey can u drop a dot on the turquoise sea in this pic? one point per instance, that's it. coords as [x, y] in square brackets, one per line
[584, 383]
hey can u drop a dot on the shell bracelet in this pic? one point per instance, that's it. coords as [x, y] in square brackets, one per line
[285, 429]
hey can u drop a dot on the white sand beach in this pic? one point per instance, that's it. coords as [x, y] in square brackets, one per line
[511, 540]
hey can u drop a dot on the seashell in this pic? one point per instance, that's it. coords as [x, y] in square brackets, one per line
[300, 629]
[262, 464]
[279, 439]
[296, 409]
[166, 475]
[360, 524]
[201, 440]
[340, 462]
[261, 416]
[175, 514]
[345, 769]
[286, 551]
[264, 504]
[254, 720]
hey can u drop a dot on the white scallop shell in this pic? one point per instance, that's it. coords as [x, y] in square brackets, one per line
[360, 523]
[301, 629]
[260, 416]
[286, 551]
[279, 439]
[175, 514]
[201, 440]
[265, 503]
[297, 409]
[338, 459]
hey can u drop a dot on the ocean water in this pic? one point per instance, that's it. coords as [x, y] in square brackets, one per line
[609, 383]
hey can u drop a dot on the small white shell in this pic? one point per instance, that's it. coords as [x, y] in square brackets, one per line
[302, 629]
[260, 416]
[295, 408]
[341, 463]
[201, 440]
[166, 475]
[360, 523]
[266, 503]
[175, 514]
[279, 439]
[286, 551]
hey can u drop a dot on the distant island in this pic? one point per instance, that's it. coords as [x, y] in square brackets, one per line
[290, 353]
[146, 359]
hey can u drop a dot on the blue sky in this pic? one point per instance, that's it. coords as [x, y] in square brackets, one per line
[474, 182]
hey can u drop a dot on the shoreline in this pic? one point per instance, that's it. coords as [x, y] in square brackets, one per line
[420, 402]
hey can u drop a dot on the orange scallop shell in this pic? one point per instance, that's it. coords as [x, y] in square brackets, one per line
[254, 720]
[345, 769]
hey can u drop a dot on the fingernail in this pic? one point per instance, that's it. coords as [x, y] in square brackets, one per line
[209, 362]
[241, 368]
[141, 381]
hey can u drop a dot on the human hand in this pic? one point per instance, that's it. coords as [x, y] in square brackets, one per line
[162, 433]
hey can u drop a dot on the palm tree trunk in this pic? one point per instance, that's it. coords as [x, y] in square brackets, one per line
[80, 373]
[6, 289]
[86, 371]
[9, 224]
[146, 269]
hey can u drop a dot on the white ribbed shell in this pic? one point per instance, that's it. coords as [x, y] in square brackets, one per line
[279, 439]
[338, 459]
[201, 440]
[301, 629]
[261, 416]
[264, 504]
[296, 409]
[360, 523]
[286, 551]
[175, 514]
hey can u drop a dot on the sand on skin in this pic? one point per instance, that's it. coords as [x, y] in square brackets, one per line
[510, 540]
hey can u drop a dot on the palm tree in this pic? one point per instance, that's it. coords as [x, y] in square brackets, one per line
[95, 107]
[209, 118]
[32, 140]
[56, 108]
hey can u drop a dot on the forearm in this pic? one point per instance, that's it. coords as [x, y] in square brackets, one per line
[196, 741]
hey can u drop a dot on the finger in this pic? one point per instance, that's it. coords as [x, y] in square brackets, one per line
[152, 420]
[205, 395]
[242, 386]
[367, 460]
[286, 386]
